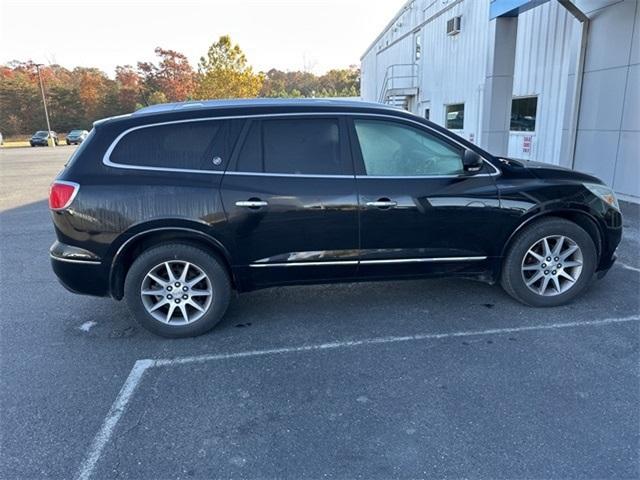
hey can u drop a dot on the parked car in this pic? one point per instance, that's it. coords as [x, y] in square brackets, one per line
[173, 207]
[76, 137]
[41, 137]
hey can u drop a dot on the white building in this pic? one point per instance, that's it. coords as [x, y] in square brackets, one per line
[502, 73]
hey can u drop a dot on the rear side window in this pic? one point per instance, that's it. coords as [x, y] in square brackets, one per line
[250, 157]
[187, 145]
[298, 146]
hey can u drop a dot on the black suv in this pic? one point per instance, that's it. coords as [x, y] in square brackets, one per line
[175, 206]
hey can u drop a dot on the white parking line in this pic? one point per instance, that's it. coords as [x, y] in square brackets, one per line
[141, 366]
[111, 420]
[86, 326]
[628, 267]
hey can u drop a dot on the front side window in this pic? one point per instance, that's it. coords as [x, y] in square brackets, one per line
[297, 146]
[455, 116]
[394, 149]
[523, 114]
[187, 145]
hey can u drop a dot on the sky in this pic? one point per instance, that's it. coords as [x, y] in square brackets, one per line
[314, 35]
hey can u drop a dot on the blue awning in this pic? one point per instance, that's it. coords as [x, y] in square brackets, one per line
[512, 8]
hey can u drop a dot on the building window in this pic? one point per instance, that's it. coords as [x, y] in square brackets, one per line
[523, 114]
[455, 116]
[418, 46]
[427, 113]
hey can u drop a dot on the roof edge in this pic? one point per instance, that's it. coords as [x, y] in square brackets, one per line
[402, 9]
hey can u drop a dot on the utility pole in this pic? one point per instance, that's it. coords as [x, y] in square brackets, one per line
[44, 102]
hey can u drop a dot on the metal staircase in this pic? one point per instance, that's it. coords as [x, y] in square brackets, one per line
[400, 85]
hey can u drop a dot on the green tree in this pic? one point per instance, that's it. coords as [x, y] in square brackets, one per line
[225, 73]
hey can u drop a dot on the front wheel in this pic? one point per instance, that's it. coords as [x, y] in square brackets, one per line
[177, 290]
[550, 263]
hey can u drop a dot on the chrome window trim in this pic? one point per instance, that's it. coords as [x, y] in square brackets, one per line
[299, 175]
[368, 262]
[107, 161]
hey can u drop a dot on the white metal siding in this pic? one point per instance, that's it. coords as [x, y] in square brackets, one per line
[453, 69]
[543, 59]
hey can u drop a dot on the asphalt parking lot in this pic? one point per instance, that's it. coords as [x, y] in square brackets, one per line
[415, 379]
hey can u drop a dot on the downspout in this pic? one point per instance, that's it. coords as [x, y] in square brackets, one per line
[579, 75]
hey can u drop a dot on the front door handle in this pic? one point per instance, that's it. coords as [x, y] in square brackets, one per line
[251, 203]
[382, 203]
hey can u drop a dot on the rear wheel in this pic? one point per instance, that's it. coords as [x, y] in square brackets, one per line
[550, 263]
[177, 290]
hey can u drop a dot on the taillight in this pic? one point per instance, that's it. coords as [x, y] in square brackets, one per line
[62, 194]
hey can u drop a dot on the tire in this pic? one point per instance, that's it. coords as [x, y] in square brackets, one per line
[525, 262]
[154, 261]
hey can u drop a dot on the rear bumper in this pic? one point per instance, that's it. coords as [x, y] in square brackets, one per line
[83, 276]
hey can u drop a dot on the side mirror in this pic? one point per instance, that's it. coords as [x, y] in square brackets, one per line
[471, 161]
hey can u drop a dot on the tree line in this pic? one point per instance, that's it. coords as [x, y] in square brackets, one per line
[78, 97]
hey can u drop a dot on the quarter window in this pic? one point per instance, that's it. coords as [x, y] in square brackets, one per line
[188, 145]
[455, 116]
[394, 149]
[523, 114]
[303, 146]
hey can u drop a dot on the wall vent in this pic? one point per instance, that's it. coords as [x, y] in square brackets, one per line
[453, 25]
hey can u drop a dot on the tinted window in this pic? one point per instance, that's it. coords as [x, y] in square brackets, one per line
[189, 145]
[250, 157]
[393, 149]
[523, 114]
[304, 146]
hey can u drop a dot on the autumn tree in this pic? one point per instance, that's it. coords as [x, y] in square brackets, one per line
[173, 76]
[129, 85]
[76, 98]
[225, 73]
[335, 83]
[92, 91]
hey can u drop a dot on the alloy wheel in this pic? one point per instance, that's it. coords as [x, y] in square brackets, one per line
[552, 265]
[176, 292]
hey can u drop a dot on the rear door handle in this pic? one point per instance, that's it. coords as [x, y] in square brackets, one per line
[382, 203]
[251, 203]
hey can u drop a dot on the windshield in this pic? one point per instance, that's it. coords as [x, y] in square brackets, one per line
[41, 133]
[75, 132]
